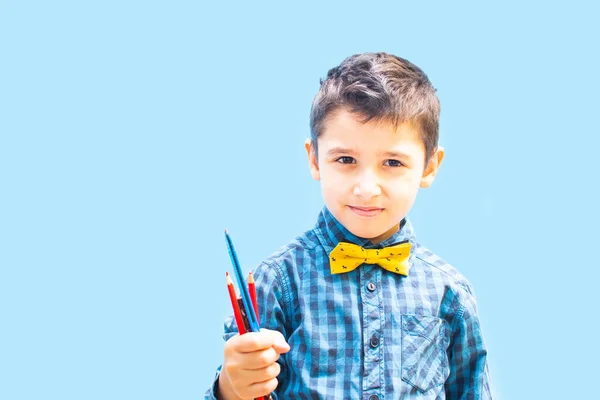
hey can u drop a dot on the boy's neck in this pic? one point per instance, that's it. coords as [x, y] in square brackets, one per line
[385, 235]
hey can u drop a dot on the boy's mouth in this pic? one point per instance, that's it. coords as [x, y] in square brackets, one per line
[366, 211]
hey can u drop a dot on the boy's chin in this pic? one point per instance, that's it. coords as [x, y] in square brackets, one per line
[373, 235]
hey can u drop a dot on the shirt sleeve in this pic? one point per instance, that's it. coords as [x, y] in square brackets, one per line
[271, 296]
[469, 374]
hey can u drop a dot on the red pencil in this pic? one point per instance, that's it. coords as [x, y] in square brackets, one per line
[252, 290]
[236, 309]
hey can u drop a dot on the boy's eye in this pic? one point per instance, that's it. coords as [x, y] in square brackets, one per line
[393, 163]
[345, 160]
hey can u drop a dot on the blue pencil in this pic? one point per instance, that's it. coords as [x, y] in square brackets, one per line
[253, 321]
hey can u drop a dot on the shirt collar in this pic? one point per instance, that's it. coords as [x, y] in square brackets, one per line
[330, 232]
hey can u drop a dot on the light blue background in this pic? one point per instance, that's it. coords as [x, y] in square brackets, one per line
[133, 133]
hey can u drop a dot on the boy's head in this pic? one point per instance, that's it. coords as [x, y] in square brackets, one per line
[374, 133]
[379, 87]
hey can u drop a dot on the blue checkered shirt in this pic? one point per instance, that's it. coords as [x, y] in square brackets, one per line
[369, 334]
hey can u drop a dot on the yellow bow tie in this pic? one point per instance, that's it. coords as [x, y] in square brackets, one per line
[347, 257]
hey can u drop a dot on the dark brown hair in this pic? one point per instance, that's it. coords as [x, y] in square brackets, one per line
[379, 87]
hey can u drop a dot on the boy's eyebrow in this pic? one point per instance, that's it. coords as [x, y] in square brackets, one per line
[339, 150]
[395, 154]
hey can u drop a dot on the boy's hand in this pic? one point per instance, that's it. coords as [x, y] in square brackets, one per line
[250, 369]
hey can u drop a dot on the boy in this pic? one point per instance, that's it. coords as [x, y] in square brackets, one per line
[355, 308]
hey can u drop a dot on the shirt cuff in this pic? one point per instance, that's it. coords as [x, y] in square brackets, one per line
[211, 394]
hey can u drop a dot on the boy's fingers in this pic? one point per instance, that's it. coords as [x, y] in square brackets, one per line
[255, 341]
[279, 343]
[259, 359]
[262, 388]
[263, 373]
[281, 347]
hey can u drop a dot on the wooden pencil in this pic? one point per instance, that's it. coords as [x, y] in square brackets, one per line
[252, 290]
[234, 304]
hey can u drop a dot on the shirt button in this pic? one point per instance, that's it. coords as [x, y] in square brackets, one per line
[371, 286]
[374, 397]
[374, 341]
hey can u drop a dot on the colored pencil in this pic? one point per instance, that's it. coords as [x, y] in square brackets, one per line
[234, 304]
[252, 290]
[246, 306]
[254, 326]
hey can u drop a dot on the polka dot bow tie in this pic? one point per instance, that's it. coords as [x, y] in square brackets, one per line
[347, 257]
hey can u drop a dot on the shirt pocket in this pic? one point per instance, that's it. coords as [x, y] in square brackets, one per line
[424, 358]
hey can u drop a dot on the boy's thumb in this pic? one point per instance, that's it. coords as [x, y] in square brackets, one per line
[279, 343]
[281, 347]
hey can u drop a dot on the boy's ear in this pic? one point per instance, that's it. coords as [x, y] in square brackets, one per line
[432, 167]
[313, 165]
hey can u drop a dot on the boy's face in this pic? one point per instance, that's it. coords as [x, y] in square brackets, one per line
[370, 173]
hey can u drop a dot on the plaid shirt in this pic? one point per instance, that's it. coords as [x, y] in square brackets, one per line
[369, 334]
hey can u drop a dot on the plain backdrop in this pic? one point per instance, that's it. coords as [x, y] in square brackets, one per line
[133, 132]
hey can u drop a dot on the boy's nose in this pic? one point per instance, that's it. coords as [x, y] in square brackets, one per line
[367, 186]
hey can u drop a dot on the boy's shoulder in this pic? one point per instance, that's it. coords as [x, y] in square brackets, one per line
[294, 249]
[428, 259]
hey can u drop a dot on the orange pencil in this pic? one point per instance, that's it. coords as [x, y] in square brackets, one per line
[252, 290]
[236, 309]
